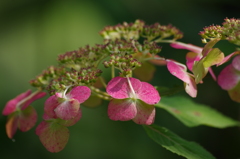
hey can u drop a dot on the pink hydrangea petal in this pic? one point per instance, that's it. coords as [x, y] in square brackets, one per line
[191, 87]
[53, 136]
[119, 88]
[122, 109]
[11, 105]
[68, 109]
[178, 70]
[236, 62]
[41, 127]
[50, 105]
[27, 119]
[228, 78]
[227, 58]
[191, 57]
[11, 125]
[80, 93]
[145, 114]
[35, 97]
[46, 117]
[190, 47]
[148, 94]
[235, 93]
[73, 120]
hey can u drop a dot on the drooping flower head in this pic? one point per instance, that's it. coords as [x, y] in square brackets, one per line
[20, 114]
[132, 100]
[61, 110]
[198, 57]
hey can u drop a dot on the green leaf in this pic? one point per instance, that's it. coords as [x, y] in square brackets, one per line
[192, 114]
[176, 144]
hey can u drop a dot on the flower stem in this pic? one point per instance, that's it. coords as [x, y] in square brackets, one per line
[113, 71]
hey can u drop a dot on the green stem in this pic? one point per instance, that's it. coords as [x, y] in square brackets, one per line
[103, 82]
[164, 41]
[113, 71]
[97, 63]
[100, 93]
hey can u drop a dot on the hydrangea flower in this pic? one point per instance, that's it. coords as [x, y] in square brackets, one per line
[200, 60]
[132, 100]
[229, 79]
[61, 110]
[66, 106]
[180, 71]
[20, 114]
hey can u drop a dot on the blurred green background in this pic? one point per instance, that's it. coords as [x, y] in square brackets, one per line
[34, 32]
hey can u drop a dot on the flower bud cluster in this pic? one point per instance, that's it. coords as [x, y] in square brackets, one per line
[212, 32]
[43, 80]
[139, 29]
[126, 31]
[230, 30]
[83, 57]
[86, 76]
[123, 62]
[123, 46]
[150, 47]
[161, 31]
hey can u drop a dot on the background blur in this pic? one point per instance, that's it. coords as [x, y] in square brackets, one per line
[34, 32]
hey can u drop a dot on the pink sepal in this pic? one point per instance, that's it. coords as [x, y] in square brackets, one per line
[50, 105]
[148, 94]
[119, 88]
[27, 119]
[67, 109]
[191, 87]
[227, 58]
[145, 114]
[11, 126]
[122, 109]
[190, 47]
[191, 57]
[33, 98]
[236, 63]
[80, 93]
[12, 104]
[178, 70]
[228, 77]
[73, 120]
[53, 136]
